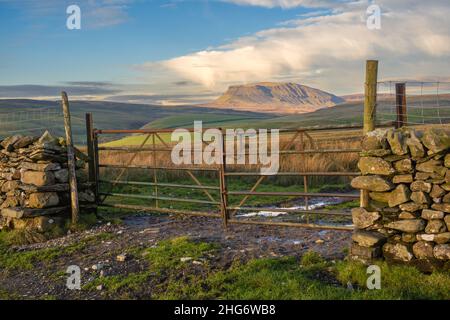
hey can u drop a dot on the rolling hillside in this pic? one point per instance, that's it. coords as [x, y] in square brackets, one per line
[22, 116]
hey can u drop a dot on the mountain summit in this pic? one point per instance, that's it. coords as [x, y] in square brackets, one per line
[275, 97]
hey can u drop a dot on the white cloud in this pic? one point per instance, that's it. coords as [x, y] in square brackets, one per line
[282, 3]
[329, 50]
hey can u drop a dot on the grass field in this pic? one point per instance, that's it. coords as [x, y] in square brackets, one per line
[113, 115]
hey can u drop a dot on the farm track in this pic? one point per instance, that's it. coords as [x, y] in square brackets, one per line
[238, 243]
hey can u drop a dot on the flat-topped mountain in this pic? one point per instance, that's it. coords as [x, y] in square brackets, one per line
[275, 97]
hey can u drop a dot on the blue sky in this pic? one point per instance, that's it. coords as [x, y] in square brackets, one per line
[38, 48]
[197, 48]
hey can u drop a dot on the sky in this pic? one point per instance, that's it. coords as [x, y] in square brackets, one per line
[190, 51]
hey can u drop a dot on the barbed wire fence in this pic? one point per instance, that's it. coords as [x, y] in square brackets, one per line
[413, 102]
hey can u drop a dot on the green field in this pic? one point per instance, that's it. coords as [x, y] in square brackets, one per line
[16, 116]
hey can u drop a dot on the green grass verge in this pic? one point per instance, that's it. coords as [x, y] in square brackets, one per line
[27, 260]
[276, 278]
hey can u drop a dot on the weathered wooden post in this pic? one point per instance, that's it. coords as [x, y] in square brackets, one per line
[370, 107]
[400, 102]
[223, 184]
[70, 160]
[90, 146]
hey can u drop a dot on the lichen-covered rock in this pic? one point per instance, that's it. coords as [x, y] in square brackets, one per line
[396, 141]
[41, 224]
[428, 214]
[405, 215]
[375, 139]
[425, 237]
[368, 238]
[374, 165]
[435, 226]
[422, 175]
[420, 197]
[380, 196]
[403, 166]
[446, 198]
[40, 166]
[398, 252]
[447, 160]
[365, 254]
[412, 206]
[372, 183]
[403, 178]
[437, 191]
[423, 250]
[86, 196]
[399, 195]
[436, 140]
[409, 226]
[442, 252]
[10, 186]
[62, 176]
[363, 219]
[442, 238]
[415, 145]
[43, 200]
[38, 178]
[408, 237]
[442, 207]
[421, 186]
[432, 166]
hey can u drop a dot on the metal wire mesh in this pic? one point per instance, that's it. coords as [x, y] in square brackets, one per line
[30, 122]
[426, 102]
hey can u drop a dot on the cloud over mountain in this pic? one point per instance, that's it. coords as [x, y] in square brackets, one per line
[328, 50]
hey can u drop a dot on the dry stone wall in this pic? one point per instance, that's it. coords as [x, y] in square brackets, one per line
[407, 175]
[34, 189]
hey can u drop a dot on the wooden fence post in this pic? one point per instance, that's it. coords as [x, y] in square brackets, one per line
[90, 146]
[70, 160]
[97, 167]
[223, 184]
[370, 105]
[400, 101]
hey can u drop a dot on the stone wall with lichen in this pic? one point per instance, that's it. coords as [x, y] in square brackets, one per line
[34, 189]
[406, 173]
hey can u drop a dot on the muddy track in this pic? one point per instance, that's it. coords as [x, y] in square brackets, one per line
[239, 242]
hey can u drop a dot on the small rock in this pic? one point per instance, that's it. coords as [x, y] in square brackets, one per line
[99, 287]
[409, 226]
[423, 250]
[421, 186]
[420, 197]
[442, 251]
[400, 195]
[371, 183]
[398, 252]
[97, 266]
[435, 226]
[185, 259]
[374, 165]
[363, 218]
[122, 257]
[428, 214]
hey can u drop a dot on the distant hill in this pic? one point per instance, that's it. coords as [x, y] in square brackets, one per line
[274, 97]
[24, 116]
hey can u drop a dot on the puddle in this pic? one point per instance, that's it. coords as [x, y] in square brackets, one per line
[313, 204]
